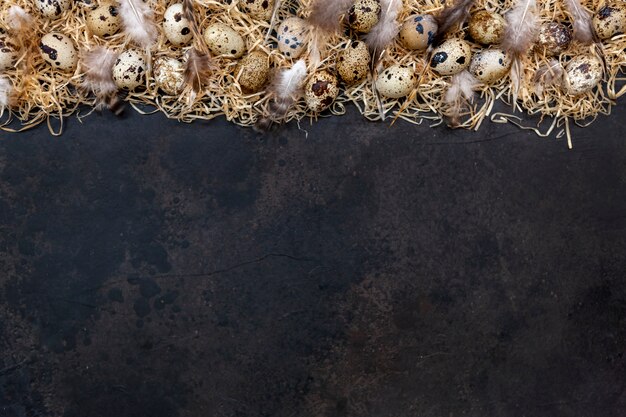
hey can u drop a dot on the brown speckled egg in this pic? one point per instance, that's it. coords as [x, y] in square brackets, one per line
[553, 39]
[490, 65]
[253, 71]
[451, 57]
[104, 20]
[610, 20]
[582, 74]
[8, 52]
[396, 81]
[320, 91]
[258, 9]
[364, 15]
[169, 75]
[176, 27]
[52, 8]
[418, 31]
[224, 40]
[353, 62]
[486, 27]
[59, 51]
[129, 71]
[291, 37]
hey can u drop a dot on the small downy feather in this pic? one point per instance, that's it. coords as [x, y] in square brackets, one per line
[549, 74]
[581, 21]
[326, 14]
[6, 90]
[138, 22]
[451, 18]
[98, 78]
[199, 67]
[18, 19]
[459, 93]
[387, 27]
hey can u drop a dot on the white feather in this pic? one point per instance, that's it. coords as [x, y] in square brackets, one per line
[18, 19]
[98, 66]
[387, 27]
[581, 21]
[522, 27]
[285, 89]
[138, 21]
[460, 92]
[5, 94]
[548, 74]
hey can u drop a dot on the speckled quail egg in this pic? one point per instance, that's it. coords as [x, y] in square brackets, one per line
[486, 27]
[104, 20]
[582, 74]
[253, 71]
[320, 91]
[224, 40]
[396, 81]
[418, 32]
[610, 20]
[169, 75]
[353, 62]
[52, 8]
[451, 57]
[258, 9]
[490, 65]
[291, 35]
[129, 71]
[8, 52]
[554, 38]
[59, 51]
[364, 15]
[176, 27]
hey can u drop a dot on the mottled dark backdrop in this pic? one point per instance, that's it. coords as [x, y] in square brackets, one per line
[150, 268]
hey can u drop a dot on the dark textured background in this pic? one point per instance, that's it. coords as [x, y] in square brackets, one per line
[151, 268]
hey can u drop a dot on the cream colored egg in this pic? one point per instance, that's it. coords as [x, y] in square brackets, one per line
[353, 62]
[8, 52]
[291, 36]
[169, 75]
[129, 71]
[396, 81]
[52, 8]
[418, 31]
[224, 40]
[487, 27]
[253, 71]
[582, 74]
[490, 65]
[451, 57]
[104, 20]
[59, 51]
[364, 15]
[258, 9]
[320, 91]
[176, 27]
[554, 38]
[610, 20]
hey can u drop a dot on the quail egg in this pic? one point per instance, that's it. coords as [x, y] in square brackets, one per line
[224, 40]
[451, 57]
[364, 15]
[554, 38]
[258, 9]
[582, 74]
[129, 71]
[59, 51]
[169, 75]
[291, 35]
[104, 20]
[52, 8]
[396, 81]
[610, 20]
[253, 71]
[490, 65]
[8, 52]
[176, 27]
[320, 91]
[486, 27]
[353, 62]
[418, 31]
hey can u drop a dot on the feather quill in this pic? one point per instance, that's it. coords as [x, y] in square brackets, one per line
[451, 18]
[459, 93]
[98, 78]
[6, 90]
[199, 67]
[549, 74]
[138, 22]
[581, 21]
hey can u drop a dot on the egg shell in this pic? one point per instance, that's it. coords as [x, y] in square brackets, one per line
[176, 27]
[396, 81]
[253, 71]
[610, 20]
[59, 51]
[129, 71]
[582, 74]
[320, 91]
[169, 75]
[490, 65]
[104, 20]
[257, 9]
[418, 32]
[8, 52]
[364, 15]
[224, 40]
[486, 27]
[291, 36]
[52, 8]
[353, 62]
[553, 39]
[451, 57]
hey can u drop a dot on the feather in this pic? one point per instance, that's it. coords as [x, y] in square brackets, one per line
[190, 15]
[326, 14]
[451, 18]
[548, 75]
[581, 21]
[6, 90]
[387, 27]
[521, 28]
[98, 78]
[198, 69]
[460, 92]
[18, 19]
[138, 22]
[277, 5]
